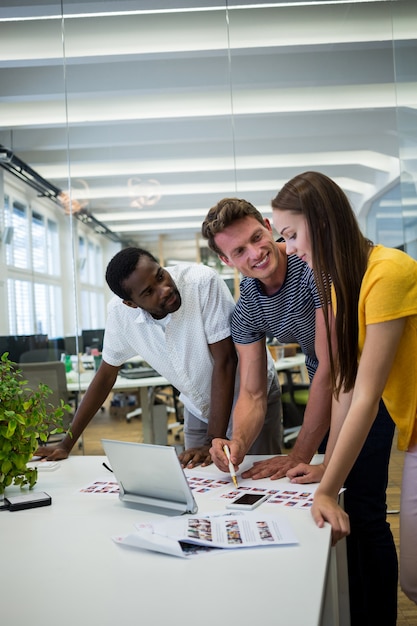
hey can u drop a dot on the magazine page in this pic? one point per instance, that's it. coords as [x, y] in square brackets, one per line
[147, 540]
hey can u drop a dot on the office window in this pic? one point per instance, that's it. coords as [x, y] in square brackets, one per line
[32, 236]
[6, 213]
[17, 251]
[45, 238]
[20, 303]
[90, 256]
[34, 308]
[52, 248]
[34, 292]
[94, 265]
[48, 310]
[38, 243]
[93, 312]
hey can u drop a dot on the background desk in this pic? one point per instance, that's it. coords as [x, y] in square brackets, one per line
[60, 566]
[145, 387]
[79, 383]
[292, 362]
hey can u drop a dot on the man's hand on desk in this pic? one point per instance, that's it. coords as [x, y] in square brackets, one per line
[196, 456]
[52, 452]
[274, 468]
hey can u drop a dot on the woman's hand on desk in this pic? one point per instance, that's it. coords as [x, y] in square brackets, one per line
[52, 452]
[195, 456]
[326, 509]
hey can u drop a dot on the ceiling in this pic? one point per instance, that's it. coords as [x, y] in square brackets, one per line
[149, 116]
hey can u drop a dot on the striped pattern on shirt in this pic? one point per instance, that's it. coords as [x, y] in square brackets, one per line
[288, 315]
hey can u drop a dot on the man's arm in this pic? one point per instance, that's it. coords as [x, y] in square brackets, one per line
[222, 392]
[93, 400]
[250, 409]
[316, 421]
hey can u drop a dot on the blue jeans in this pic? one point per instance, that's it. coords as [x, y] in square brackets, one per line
[371, 553]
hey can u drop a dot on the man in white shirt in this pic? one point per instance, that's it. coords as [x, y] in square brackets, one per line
[178, 320]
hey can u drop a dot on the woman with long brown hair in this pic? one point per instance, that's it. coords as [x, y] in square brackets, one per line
[374, 295]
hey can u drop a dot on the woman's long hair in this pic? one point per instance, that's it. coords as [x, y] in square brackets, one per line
[339, 256]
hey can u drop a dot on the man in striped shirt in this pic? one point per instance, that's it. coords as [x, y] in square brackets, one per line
[278, 296]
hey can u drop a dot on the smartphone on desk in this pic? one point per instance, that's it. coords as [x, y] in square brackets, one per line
[248, 501]
[28, 501]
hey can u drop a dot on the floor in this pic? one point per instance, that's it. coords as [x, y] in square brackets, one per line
[407, 610]
[116, 427]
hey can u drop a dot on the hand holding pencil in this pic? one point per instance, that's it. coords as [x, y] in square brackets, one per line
[231, 467]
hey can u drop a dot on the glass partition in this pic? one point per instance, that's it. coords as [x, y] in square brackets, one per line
[392, 216]
[38, 290]
[123, 123]
[315, 92]
[405, 55]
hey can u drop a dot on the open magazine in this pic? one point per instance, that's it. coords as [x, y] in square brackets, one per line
[189, 536]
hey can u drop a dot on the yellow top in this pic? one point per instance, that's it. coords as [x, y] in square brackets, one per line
[389, 291]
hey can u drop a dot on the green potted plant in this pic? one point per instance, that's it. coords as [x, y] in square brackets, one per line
[26, 419]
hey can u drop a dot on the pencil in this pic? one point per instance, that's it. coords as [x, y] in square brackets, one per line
[231, 468]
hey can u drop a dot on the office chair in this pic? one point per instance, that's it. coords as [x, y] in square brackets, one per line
[161, 401]
[169, 396]
[178, 409]
[51, 373]
[294, 397]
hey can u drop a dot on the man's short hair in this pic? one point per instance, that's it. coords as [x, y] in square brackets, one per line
[223, 214]
[121, 267]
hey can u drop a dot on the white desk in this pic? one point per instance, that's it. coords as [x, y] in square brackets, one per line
[60, 566]
[79, 383]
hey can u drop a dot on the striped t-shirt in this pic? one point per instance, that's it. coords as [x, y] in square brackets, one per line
[289, 314]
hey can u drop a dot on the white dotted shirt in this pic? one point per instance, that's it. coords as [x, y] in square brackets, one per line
[180, 352]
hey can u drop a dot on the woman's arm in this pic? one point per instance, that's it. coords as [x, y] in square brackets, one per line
[381, 344]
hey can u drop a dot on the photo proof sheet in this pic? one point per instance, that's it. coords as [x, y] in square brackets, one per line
[188, 536]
